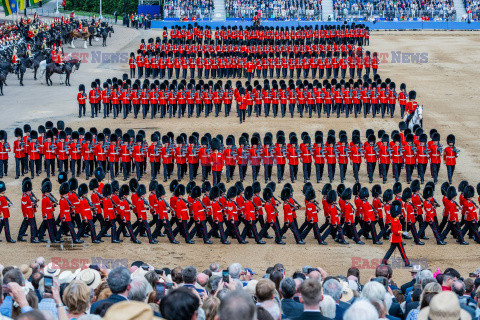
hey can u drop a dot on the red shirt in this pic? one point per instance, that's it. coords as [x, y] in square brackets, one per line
[450, 156]
[181, 209]
[47, 208]
[396, 228]
[64, 209]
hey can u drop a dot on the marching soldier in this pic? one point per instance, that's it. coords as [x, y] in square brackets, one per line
[469, 211]
[249, 216]
[141, 207]
[435, 155]
[311, 217]
[108, 215]
[306, 156]
[124, 207]
[5, 203]
[217, 215]
[293, 152]
[410, 214]
[288, 209]
[396, 239]
[199, 211]
[65, 209]
[453, 225]
[429, 205]
[270, 211]
[450, 155]
[87, 209]
[217, 161]
[368, 215]
[19, 151]
[335, 228]
[48, 207]
[349, 216]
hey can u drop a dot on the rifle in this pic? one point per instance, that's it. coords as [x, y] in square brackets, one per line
[52, 199]
[92, 206]
[10, 203]
[147, 205]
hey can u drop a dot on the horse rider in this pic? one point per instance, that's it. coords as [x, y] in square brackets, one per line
[80, 29]
[29, 51]
[15, 60]
[59, 58]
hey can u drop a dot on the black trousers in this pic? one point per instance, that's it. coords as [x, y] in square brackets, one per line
[455, 228]
[331, 171]
[251, 228]
[201, 230]
[87, 225]
[20, 163]
[108, 224]
[66, 226]
[433, 225]
[218, 227]
[48, 224]
[390, 251]
[294, 230]
[5, 223]
[276, 229]
[450, 171]
[232, 230]
[23, 229]
[307, 171]
[316, 231]
[293, 172]
[280, 171]
[434, 169]
[319, 167]
[143, 225]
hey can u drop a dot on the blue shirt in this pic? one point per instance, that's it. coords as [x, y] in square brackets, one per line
[7, 306]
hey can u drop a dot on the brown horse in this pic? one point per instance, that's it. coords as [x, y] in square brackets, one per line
[75, 34]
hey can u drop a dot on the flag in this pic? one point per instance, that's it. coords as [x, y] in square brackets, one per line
[10, 6]
[32, 2]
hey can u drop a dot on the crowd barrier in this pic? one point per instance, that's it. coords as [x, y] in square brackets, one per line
[383, 25]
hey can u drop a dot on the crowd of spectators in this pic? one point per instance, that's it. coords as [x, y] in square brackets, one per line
[188, 9]
[45, 292]
[401, 10]
[473, 9]
[275, 9]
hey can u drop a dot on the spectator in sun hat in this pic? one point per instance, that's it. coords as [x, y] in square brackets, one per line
[52, 270]
[90, 277]
[444, 306]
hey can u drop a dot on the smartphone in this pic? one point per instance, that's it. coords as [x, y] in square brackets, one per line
[48, 283]
[225, 276]
[169, 285]
[472, 275]
[160, 290]
[5, 289]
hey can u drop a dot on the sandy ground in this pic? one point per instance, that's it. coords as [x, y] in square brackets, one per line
[443, 84]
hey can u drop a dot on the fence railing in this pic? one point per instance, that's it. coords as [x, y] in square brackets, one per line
[277, 14]
[395, 15]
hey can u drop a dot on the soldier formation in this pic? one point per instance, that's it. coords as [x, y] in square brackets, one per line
[126, 154]
[207, 212]
[121, 97]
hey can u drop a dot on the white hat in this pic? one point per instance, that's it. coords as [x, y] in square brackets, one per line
[90, 277]
[52, 270]
[444, 306]
[347, 292]
[66, 277]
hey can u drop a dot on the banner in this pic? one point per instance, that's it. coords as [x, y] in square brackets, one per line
[10, 6]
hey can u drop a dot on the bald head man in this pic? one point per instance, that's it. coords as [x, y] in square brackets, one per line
[315, 275]
[202, 279]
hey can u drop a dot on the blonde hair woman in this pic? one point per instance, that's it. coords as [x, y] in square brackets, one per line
[76, 298]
